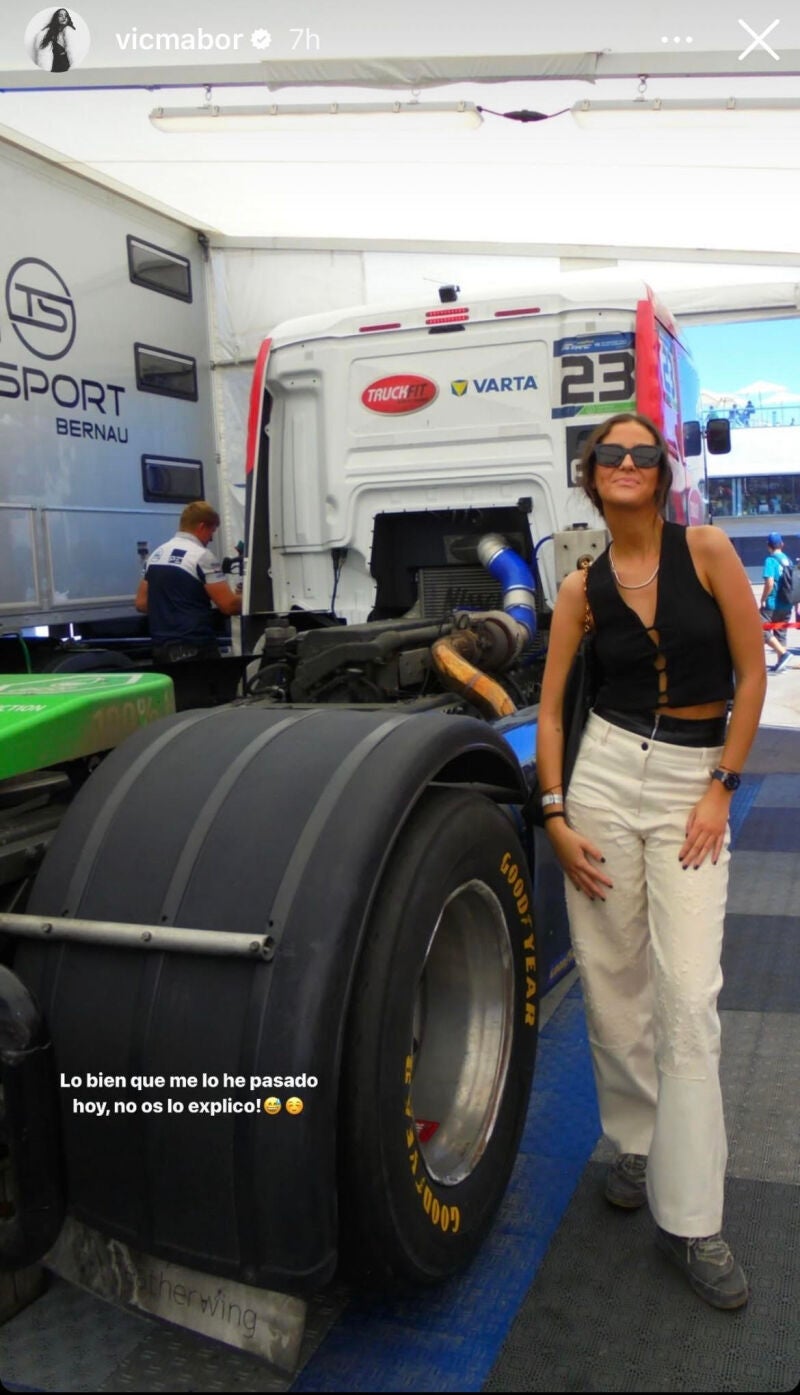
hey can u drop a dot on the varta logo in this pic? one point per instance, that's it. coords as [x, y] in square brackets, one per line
[520, 383]
[517, 384]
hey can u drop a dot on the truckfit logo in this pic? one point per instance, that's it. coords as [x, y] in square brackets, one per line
[40, 308]
[401, 393]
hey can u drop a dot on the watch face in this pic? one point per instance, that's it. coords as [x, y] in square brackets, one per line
[728, 779]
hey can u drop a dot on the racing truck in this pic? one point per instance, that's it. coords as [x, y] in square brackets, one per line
[270, 1006]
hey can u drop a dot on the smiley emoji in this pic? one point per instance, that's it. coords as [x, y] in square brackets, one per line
[272, 1105]
[294, 1105]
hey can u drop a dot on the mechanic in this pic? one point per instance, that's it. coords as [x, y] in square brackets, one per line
[181, 585]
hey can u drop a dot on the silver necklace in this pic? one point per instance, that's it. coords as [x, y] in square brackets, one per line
[639, 585]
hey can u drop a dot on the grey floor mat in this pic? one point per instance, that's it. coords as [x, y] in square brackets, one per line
[72, 1341]
[776, 750]
[608, 1312]
[761, 963]
[770, 830]
[764, 883]
[759, 1071]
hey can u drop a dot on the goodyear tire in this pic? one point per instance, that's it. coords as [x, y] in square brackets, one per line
[440, 1046]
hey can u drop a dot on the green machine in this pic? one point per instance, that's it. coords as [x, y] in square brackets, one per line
[54, 729]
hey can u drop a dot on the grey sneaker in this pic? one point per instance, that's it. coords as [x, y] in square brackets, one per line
[625, 1182]
[782, 661]
[709, 1266]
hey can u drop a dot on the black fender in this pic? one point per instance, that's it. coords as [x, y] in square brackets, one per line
[269, 821]
[28, 1128]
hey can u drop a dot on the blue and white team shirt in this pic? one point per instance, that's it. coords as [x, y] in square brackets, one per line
[178, 606]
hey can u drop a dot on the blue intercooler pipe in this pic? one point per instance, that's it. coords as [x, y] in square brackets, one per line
[515, 577]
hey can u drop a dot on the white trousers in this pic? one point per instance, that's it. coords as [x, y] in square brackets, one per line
[649, 961]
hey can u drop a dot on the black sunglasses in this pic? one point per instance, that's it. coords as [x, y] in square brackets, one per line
[643, 457]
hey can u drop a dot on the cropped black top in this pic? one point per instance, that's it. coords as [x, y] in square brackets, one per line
[683, 660]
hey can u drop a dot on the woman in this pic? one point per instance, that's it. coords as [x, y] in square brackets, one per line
[641, 835]
[54, 37]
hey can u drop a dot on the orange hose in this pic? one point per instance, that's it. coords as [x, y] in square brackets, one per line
[463, 677]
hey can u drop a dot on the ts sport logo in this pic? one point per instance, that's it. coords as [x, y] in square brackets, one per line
[40, 308]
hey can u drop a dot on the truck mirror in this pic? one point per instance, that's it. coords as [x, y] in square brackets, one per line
[718, 436]
[692, 440]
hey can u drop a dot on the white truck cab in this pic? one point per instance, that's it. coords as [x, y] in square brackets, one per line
[382, 440]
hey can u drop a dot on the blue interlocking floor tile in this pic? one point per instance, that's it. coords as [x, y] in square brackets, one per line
[779, 792]
[769, 830]
[741, 805]
[563, 1113]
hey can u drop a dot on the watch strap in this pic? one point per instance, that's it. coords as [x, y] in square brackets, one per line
[728, 778]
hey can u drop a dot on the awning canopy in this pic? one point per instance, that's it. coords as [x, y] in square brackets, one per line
[713, 182]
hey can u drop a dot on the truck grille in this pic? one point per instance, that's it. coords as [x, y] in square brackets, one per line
[443, 589]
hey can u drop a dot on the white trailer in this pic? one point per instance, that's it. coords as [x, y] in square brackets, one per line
[106, 423]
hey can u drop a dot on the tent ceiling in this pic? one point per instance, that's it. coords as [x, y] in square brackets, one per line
[408, 73]
[703, 186]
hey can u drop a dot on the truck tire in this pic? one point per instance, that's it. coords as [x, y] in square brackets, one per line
[440, 1045]
[276, 823]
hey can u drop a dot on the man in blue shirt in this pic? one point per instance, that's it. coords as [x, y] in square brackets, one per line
[182, 582]
[771, 612]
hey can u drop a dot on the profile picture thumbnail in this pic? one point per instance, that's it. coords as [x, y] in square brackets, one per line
[57, 40]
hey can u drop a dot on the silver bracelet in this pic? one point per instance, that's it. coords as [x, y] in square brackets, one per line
[552, 799]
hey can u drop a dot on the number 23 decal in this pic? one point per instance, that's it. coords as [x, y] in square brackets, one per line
[583, 374]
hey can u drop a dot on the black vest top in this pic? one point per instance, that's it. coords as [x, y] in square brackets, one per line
[684, 660]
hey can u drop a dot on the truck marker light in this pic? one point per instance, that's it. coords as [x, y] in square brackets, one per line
[370, 329]
[450, 315]
[529, 310]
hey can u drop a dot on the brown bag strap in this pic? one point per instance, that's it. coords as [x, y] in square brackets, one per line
[588, 618]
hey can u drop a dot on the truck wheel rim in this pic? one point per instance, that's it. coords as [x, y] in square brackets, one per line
[462, 1032]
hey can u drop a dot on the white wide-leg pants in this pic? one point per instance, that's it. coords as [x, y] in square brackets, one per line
[649, 961]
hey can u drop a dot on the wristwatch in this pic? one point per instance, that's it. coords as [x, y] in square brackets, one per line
[552, 799]
[727, 779]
